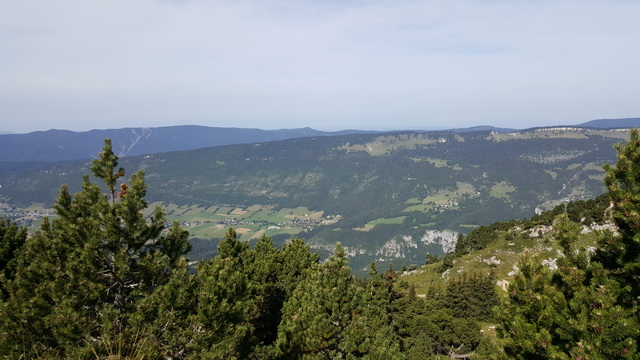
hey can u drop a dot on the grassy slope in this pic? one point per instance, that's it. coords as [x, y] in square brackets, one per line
[499, 257]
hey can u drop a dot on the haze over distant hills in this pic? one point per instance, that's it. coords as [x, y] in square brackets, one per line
[386, 196]
[64, 145]
[612, 123]
[32, 149]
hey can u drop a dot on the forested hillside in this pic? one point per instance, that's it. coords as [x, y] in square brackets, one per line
[64, 145]
[387, 197]
[101, 280]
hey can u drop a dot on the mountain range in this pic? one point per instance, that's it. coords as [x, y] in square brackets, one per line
[390, 197]
[64, 145]
[35, 148]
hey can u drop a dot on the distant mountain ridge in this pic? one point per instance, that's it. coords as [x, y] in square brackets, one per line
[64, 145]
[612, 123]
[484, 128]
[23, 151]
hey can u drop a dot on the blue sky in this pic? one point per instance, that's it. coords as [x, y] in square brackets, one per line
[329, 65]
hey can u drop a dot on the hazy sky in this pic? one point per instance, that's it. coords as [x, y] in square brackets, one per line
[330, 64]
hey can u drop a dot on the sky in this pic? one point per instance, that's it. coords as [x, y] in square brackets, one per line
[326, 64]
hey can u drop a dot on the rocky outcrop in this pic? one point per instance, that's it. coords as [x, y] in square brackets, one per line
[445, 238]
[397, 247]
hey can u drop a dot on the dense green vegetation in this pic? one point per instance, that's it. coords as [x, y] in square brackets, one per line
[587, 308]
[12, 239]
[102, 280]
[423, 181]
[581, 211]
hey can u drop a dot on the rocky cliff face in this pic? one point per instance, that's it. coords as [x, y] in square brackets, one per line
[398, 247]
[402, 246]
[445, 238]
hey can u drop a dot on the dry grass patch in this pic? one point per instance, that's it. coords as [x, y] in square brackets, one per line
[238, 211]
[257, 234]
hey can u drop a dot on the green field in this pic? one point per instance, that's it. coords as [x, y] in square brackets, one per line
[450, 196]
[371, 224]
[413, 200]
[421, 208]
[502, 190]
[553, 174]
[438, 163]
[559, 133]
[249, 222]
[574, 166]
[385, 144]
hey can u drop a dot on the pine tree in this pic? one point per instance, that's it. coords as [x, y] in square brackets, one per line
[621, 254]
[12, 238]
[104, 168]
[224, 302]
[588, 307]
[297, 260]
[55, 299]
[325, 318]
[83, 272]
[528, 316]
[274, 275]
[166, 318]
[237, 300]
[565, 314]
[269, 293]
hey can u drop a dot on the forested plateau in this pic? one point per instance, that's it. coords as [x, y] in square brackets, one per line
[387, 197]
